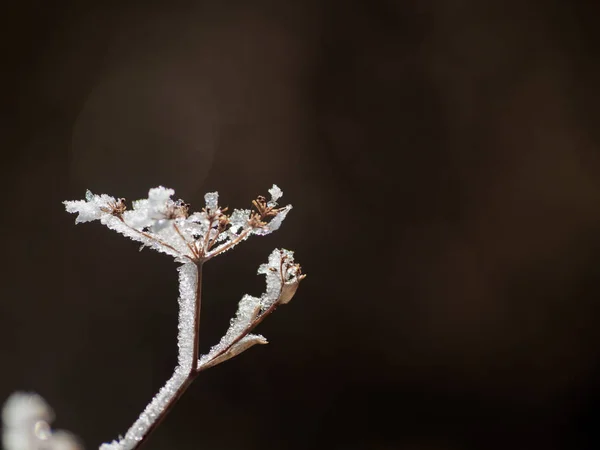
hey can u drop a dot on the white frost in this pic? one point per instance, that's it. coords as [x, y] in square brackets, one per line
[276, 271]
[239, 220]
[188, 284]
[151, 212]
[212, 201]
[275, 222]
[93, 208]
[276, 194]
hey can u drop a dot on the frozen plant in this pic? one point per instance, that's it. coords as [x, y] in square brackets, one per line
[167, 226]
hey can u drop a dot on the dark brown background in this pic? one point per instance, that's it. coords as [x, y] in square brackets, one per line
[443, 160]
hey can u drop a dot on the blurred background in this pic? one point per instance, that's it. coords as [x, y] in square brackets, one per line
[443, 160]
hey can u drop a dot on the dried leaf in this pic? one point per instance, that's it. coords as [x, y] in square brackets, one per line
[241, 346]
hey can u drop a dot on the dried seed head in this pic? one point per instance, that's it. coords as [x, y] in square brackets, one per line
[291, 277]
[177, 210]
[116, 208]
[256, 221]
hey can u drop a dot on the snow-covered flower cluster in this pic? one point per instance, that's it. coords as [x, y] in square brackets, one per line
[26, 425]
[166, 225]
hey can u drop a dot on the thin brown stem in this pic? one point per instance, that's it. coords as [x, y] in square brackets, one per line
[146, 235]
[213, 241]
[204, 250]
[185, 240]
[235, 241]
[198, 307]
[194, 372]
[163, 414]
[241, 336]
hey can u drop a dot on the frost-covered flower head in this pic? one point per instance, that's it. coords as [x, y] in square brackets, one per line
[161, 223]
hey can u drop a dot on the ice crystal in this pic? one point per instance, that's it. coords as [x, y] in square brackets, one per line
[212, 201]
[276, 194]
[151, 212]
[239, 220]
[93, 208]
[163, 241]
[188, 284]
[158, 404]
[248, 309]
[275, 222]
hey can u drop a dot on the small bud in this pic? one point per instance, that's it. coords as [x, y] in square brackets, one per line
[288, 290]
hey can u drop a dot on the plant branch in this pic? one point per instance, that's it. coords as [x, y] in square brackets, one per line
[242, 335]
[184, 240]
[193, 373]
[204, 250]
[190, 288]
[182, 387]
[155, 239]
[230, 244]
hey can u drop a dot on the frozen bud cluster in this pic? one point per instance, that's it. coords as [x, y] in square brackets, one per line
[26, 425]
[166, 225]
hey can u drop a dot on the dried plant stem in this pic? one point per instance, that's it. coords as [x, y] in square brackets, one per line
[188, 244]
[232, 243]
[196, 367]
[155, 239]
[197, 308]
[171, 403]
[192, 374]
[246, 332]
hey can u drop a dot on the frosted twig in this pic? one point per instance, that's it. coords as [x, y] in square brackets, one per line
[165, 225]
[283, 278]
[187, 341]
